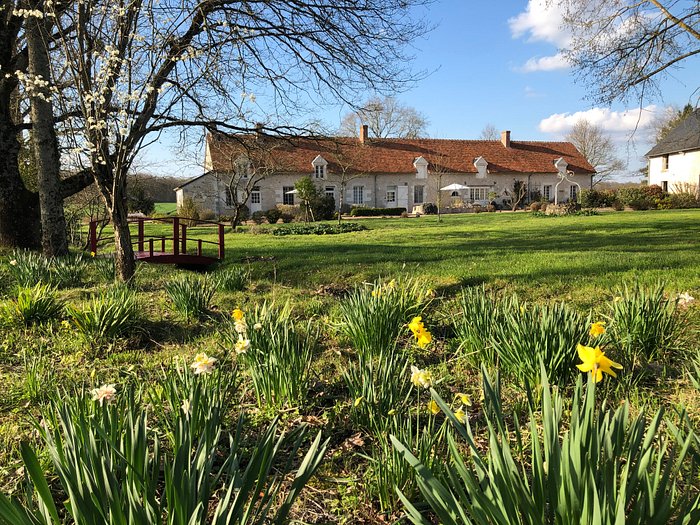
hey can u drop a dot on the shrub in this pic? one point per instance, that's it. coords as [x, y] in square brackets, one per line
[683, 200]
[603, 467]
[318, 229]
[597, 198]
[430, 208]
[535, 206]
[258, 217]
[635, 198]
[323, 207]
[528, 334]
[112, 468]
[373, 317]
[189, 209]
[231, 279]
[376, 212]
[191, 295]
[106, 317]
[273, 215]
[207, 215]
[34, 305]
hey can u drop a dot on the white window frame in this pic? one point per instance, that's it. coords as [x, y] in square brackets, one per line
[358, 195]
[664, 162]
[320, 171]
[287, 198]
[573, 192]
[547, 192]
[255, 197]
[478, 194]
[416, 191]
[391, 192]
[329, 191]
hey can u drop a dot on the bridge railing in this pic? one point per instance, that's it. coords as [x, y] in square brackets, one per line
[178, 240]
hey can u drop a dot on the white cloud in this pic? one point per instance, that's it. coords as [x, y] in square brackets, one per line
[539, 22]
[614, 122]
[550, 63]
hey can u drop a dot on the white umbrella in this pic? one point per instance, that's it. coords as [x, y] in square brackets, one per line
[291, 192]
[454, 187]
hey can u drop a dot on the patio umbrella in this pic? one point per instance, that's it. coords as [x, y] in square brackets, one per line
[454, 187]
[291, 192]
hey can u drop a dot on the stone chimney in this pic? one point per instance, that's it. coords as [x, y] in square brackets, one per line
[364, 132]
[505, 138]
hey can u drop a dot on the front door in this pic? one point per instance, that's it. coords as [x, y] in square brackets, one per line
[402, 197]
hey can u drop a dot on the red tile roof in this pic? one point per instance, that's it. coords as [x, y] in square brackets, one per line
[397, 155]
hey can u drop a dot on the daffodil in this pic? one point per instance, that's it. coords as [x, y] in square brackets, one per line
[104, 393]
[464, 399]
[240, 326]
[242, 345]
[376, 292]
[421, 378]
[423, 337]
[416, 324]
[391, 412]
[92, 254]
[13, 262]
[461, 415]
[433, 407]
[358, 401]
[186, 406]
[238, 314]
[597, 329]
[257, 326]
[595, 362]
[684, 299]
[203, 364]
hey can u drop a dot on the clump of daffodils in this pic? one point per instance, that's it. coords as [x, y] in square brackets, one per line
[104, 393]
[203, 364]
[595, 362]
[597, 329]
[241, 326]
[423, 336]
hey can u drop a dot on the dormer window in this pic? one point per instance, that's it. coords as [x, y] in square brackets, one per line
[561, 166]
[481, 165]
[421, 166]
[319, 164]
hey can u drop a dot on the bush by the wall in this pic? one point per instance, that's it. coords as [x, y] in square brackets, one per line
[683, 200]
[273, 215]
[258, 217]
[597, 198]
[430, 208]
[318, 229]
[376, 212]
[323, 207]
[636, 198]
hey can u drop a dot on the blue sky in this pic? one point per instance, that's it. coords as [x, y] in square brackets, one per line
[496, 62]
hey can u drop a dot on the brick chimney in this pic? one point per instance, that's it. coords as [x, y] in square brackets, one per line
[505, 138]
[364, 132]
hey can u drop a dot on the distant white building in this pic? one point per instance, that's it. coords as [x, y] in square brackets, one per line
[386, 173]
[674, 163]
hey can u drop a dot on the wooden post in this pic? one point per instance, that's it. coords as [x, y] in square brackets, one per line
[150, 247]
[199, 247]
[93, 238]
[140, 235]
[176, 236]
[184, 238]
[221, 242]
[162, 244]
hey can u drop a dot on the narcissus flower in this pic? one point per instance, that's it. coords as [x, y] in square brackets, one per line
[104, 393]
[421, 378]
[257, 326]
[433, 407]
[358, 401]
[238, 314]
[423, 337]
[203, 364]
[242, 345]
[461, 415]
[597, 329]
[595, 362]
[684, 299]
[464, 399]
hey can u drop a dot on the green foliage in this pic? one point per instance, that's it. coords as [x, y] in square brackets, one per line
[138, 200]
[231, 279]
[643, 329]
[636, 198]
[113, 469]
[191, 295]
[318, 229]
[28, 268]
[189, 210]
[605, 467]
[528, 334]
[597, 198]
[34, 305]
[38, 374]
[374, 317]
[683, 200]
[278, 355]
[479, 314]
[430, 208]
[107, 316]
[377, 212]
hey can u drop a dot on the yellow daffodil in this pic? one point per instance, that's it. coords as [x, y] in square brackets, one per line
[421, 378]
[391, 284]
[461, 415]
[595, 362]
[376, 292]
[416, 324]
[358, 401]
[597, 329]
[238, 314]
[464, 399]
[433, 407]
[92, 254]
[203, 364]
[392, 412]
[423, 337]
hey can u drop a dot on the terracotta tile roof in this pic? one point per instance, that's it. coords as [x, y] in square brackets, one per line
[397, 155]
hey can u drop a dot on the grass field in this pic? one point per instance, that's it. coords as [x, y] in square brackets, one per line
[165, 208]
[583, 261]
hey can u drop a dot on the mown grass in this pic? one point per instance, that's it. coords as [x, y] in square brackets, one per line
[579, 260]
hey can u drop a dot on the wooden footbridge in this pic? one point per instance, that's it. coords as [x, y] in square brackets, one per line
[181, 248]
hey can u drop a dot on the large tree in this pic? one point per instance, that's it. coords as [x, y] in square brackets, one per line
[385, 117]
[668, 120]
[143, 66]
[597, 148]
[624, 48]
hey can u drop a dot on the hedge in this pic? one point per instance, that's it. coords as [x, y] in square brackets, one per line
[376, 212]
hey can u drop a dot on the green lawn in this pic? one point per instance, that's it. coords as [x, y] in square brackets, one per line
[166, 208]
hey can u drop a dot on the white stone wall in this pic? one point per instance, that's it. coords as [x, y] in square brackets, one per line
[683, 169]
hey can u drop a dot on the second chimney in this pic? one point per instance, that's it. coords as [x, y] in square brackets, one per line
[505, 138]
[364, 131]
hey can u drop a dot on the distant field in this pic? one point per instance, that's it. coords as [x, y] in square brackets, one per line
[166, 208]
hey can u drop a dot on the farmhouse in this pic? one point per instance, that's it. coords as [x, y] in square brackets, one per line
[674, 163]
[383, 173]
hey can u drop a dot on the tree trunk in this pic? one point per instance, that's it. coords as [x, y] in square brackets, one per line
[53, 223]
[19, 207]
[125, 264]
